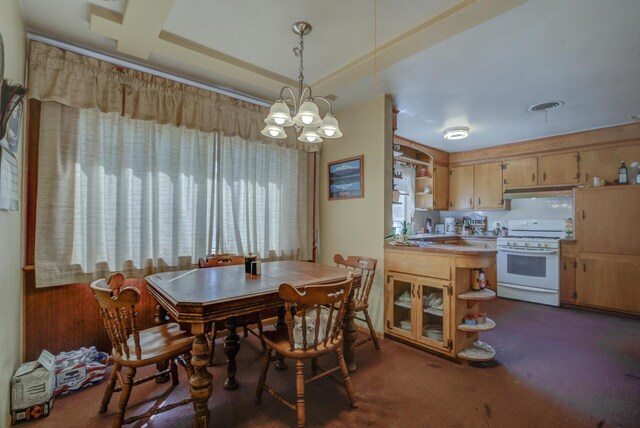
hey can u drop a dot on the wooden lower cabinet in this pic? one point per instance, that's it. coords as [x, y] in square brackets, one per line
[568, 280]
[608, 281]
[429, 312]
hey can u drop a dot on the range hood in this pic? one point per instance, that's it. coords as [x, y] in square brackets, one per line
[539, 192]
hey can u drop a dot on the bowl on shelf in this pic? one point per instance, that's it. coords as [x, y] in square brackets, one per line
[405, 325]
[432, 331]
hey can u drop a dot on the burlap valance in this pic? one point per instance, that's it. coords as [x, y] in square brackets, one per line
[82, 82]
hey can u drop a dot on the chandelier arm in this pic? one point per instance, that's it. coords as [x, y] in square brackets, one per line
[326, 101]
[293, 97]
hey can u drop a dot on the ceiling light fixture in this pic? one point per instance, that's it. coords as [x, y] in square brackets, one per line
[456, 133]
[306, 115]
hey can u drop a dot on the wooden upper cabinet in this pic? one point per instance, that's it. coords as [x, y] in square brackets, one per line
[487, 185]
[440, 187]
[607, 219]
[520, 172]
[461, 188]
[558, 168]
[604, 163]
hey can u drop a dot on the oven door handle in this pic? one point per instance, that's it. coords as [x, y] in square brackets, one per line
[532, 252]
[521, 287]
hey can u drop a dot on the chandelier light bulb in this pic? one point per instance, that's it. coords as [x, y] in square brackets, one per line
[329, 132]
[274, 131]
[279, 120]
[330, 127]
[309, 135]
[306, 119]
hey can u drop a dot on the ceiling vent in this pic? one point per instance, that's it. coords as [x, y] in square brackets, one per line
[549, 105]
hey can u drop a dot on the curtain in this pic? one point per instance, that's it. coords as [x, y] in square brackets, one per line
[263, 202]
[88, 83]
[119, 194]
[409, 186]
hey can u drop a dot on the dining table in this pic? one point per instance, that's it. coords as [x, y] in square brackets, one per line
[199, 297]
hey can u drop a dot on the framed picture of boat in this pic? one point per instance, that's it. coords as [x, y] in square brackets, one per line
[346, 178]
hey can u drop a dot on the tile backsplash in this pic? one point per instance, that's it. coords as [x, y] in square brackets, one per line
[521, 209]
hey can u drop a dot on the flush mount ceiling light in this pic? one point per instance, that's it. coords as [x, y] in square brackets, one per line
[456, 133]
[303, 106]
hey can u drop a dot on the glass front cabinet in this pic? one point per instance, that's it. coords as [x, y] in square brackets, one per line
[419, 310]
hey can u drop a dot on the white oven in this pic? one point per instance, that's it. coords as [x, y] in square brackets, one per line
[529, 261]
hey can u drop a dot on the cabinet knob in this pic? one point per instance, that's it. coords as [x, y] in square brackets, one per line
[471, 201]
[479, 202]
[544, 176]
[533, 177]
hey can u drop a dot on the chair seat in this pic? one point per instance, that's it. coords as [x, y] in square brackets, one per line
[158, 343]
[278, 340]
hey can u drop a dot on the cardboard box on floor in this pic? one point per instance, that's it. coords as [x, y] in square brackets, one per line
[32, 389]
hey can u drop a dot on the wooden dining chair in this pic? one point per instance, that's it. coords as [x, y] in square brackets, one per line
[246, 321]
[367, 267]
[133, 348]
[314, 319]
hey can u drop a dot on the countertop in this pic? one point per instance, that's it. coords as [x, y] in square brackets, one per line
[445, 249]
[427, 236]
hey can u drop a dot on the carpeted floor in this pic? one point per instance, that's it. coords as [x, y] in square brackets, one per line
[555, 367]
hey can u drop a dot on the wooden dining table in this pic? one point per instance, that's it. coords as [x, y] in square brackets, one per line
[200, 297]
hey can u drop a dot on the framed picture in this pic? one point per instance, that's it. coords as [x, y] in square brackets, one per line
[346, 178]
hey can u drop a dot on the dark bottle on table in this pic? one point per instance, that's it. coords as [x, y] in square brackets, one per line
[623, 176]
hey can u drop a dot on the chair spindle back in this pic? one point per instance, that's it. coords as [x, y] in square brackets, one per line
[118, 312]
[364, 265]
[309, 306]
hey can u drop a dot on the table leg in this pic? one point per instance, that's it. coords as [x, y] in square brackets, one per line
[201, 380]
[161, 317]
[231, 348]
[350, 334]
[280, 325]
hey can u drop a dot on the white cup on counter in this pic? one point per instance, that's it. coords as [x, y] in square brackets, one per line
[597, 181]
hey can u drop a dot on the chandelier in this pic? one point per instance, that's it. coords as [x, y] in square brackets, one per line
[306, 116]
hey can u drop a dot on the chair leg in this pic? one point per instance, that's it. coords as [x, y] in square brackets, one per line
[174, 371]
[109, 390]
[266, 360]
[245, 328]
[212, 345]
[124, 397]
[260, 327]
[300, 393]
[188, 368]
[347, 379]
[371, 330]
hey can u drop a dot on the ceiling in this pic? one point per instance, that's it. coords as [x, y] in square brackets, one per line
[475, 63]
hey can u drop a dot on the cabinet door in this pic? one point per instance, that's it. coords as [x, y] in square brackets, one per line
[568, 280]
[440, 187]
[609, 281]
[487, 185]
[604, 163]
[520, 172]
[461, 188]
[401, 295]
[558, 169]
[434, 300]
[607, 219]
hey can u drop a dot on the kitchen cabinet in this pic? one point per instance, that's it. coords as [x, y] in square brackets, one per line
[568, 272]
[604, 163]
[461, 188]
[607, 247]
[607, 219]
[520, 172]
[428, 295]
[440, 187]
[558, 169]
[476, 187]
[487, 186]
[609, 281]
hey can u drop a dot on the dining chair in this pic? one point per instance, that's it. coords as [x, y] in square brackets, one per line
[367, 267]
[314, 319]
[133, 348]
[229, 260]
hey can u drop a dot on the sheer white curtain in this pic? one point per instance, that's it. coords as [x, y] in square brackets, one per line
[263, 203]
[409, 186]
[118, 194]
